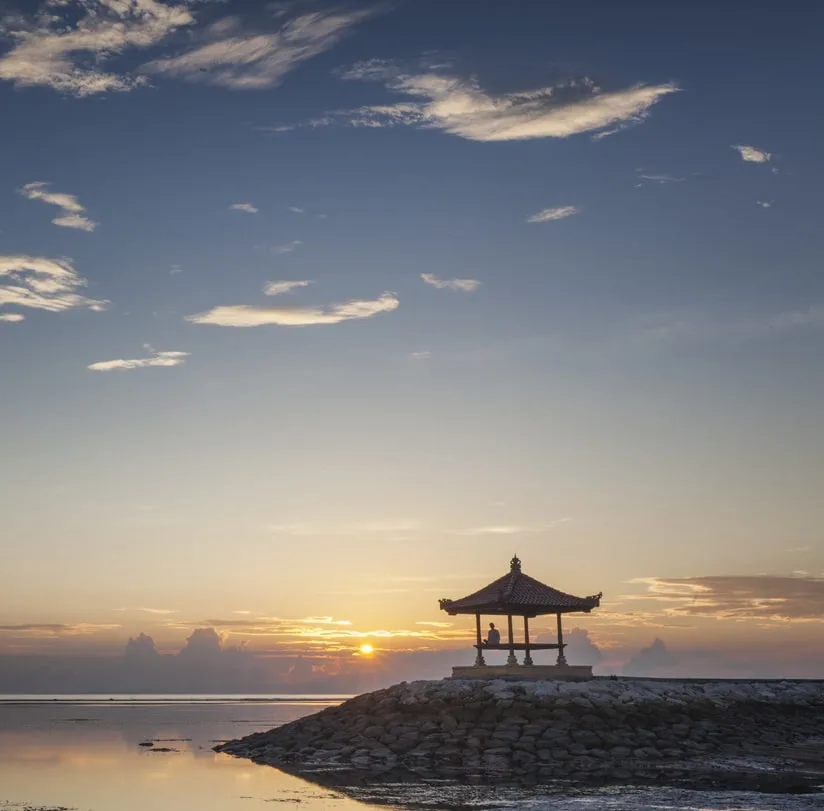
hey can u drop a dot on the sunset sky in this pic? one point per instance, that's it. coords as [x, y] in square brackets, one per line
[313, 314]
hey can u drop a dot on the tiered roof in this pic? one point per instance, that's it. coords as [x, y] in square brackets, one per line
[519, 594]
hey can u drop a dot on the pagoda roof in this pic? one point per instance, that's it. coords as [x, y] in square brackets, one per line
[519, 594]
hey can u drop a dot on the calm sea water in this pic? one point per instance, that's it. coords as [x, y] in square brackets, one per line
[84, 753]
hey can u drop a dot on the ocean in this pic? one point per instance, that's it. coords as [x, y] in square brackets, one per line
[90, 753]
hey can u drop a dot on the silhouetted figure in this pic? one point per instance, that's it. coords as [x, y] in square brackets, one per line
[494, 636]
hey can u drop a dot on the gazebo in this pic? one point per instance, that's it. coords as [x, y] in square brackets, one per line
[518, 595]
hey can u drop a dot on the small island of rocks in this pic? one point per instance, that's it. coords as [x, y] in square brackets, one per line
[749, 735]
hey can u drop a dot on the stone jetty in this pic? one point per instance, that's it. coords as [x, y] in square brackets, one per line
[752, 735]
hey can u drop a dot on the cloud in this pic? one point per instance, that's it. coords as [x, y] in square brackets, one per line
[549, 214]
[462, 285]
[248, 208]
[691, 327]
[287, 247]
[65, 45]
[741, 597]
[460, 107]
[297, 210]
[175, 269]
[751, 154]
[651, 660]
[43, 284]
[423, 354]
[508, 529]
[247, 315]
[764, 203]
[228, 56]
[660, 179]
[279, 288]
[11, 318]
[56, 629]
[156, 359]
[72, 211]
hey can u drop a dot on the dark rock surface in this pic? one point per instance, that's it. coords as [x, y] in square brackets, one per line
[742, 735]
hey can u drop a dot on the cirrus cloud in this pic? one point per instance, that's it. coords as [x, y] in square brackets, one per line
[228, 55]
[43, 284]
[247, 208]
[461, 107]
[155, 359]
[279, 288]
[458, 285]
[72, 211]
[64, 46]
[559, 213]
[11, 318]
[248, 315]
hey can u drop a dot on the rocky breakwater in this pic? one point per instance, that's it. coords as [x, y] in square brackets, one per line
[722, 734]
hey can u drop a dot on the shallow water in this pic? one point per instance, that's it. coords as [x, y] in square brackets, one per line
[86, 755]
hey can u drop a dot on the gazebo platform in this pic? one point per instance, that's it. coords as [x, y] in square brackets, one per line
[524, 673]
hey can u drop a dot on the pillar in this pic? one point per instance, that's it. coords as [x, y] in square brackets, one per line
[561, 658]
[479, 659]
[527, 657]
[510, 660]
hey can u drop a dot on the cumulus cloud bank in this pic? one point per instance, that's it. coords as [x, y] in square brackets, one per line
[42, 284]
[71, 211]
[461, 107]
[155, 359]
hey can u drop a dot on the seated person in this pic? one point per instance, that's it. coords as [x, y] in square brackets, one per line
[494, 636]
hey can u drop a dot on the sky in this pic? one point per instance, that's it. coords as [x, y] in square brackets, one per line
[314, 314]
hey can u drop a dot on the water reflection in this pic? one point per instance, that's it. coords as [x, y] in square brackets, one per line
[89, 757]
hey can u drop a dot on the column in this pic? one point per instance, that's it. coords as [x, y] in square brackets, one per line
[561, 658]
[510, 660]
[479, 659]
[527, 657]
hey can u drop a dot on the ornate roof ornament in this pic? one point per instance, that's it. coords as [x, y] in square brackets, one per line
[515, 564]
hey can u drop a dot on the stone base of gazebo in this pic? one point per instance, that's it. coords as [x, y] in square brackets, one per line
[523, 672]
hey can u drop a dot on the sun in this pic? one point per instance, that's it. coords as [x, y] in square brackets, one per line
[366, 649]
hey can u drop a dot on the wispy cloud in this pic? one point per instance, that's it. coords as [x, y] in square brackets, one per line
[11, 318]
[159, 611]
[65, 45]
[71, 215]
[766, 597]
[673, 327]
[660, 179]
[279, 288]
[751, 154]
[56, 629]
[508, 529]
[287, 247]
[550, 214]
[423, 354]
[248, 315]
[460, 107]
[228, 55]
[296, 210]
[764, 203]
[155, 359]
[462, 285]
[43, 284]
[248, 208]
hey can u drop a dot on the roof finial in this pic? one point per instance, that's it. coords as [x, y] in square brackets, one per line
[515, 563]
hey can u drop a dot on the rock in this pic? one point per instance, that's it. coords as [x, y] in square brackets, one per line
[607, 730]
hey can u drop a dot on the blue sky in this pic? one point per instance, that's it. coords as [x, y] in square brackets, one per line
[300, 300]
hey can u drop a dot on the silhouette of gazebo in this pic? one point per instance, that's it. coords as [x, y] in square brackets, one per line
[518, 595]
